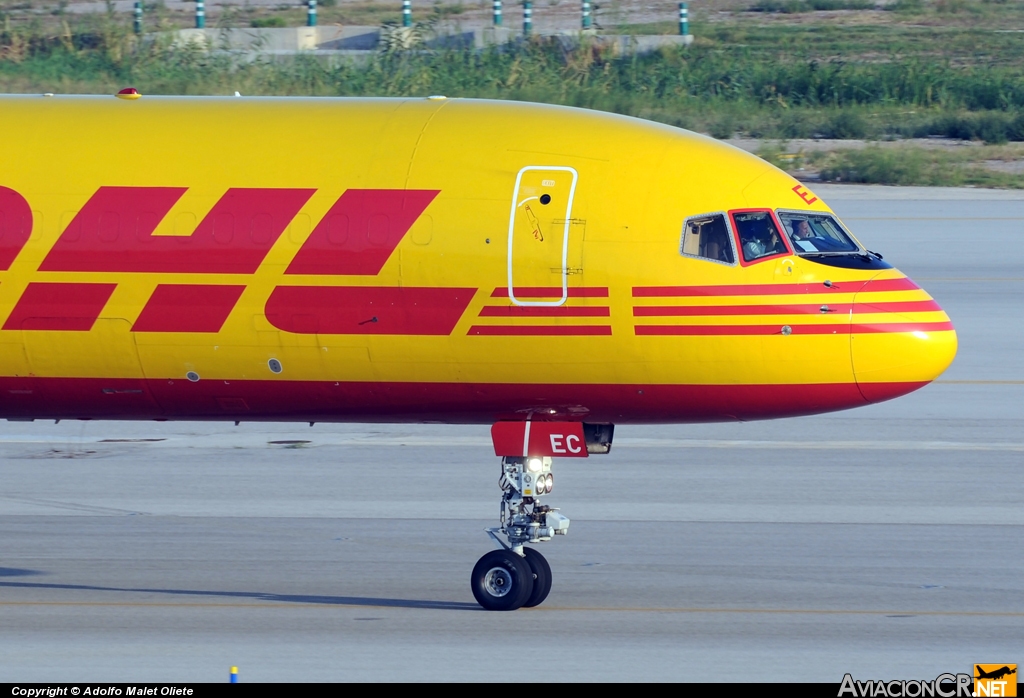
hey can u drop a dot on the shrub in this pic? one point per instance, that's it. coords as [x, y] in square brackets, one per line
[877, 166]
[267, 22]
[846, 124]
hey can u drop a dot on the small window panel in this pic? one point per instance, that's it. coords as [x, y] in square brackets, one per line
[817, 233]
[759, 235]
[708, 237]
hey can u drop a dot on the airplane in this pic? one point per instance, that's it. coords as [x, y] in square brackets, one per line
[995, 674]
[548, 271]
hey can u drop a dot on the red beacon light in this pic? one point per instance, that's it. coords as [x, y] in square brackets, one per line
[128, 93]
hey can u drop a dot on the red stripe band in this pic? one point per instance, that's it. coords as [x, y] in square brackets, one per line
[767, 330]
[470, 403]
[541, 330]
[802, 308]
[551, 292]
[543, 311]
[903, 284]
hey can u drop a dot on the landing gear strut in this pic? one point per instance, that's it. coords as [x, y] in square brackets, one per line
[517, 576]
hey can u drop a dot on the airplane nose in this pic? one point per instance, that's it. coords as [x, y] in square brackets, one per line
[901, 339]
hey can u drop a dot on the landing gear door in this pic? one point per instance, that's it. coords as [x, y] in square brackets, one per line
[539, 228]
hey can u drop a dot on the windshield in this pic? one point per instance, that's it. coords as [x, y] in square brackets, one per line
[758, 236]
[708, 237]
[815, 233]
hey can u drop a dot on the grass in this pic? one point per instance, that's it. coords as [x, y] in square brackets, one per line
[903, 164]
[831, 69]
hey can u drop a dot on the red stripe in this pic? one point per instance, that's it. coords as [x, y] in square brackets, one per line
[551, 292]
[57, 306]
[903, 284]
[173, 397]
[359, 233]
[543, 311]
[187, 308]
[114, 232]
[540, 330]
[367, 309]
[765, 330]
[802, 308]
[881, 285]
[715, 330]
[902, 327]
[15, 225]
[897, 307]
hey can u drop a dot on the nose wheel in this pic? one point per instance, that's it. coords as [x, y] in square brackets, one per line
[516, 576]
[502, 581]
[505, 581]
[541, 577]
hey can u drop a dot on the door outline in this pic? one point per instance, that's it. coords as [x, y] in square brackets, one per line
[565, 234]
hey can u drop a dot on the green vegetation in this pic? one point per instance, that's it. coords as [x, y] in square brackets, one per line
[910, 69]
[794, 6]
[260, 22]
[902, 164]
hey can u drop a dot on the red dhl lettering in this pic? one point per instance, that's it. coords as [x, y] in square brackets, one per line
[113, 232]
[361, 230]
[15, 225]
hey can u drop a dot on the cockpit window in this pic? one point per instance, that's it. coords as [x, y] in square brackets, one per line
[708, 237]
[758, 235]
[816, 233]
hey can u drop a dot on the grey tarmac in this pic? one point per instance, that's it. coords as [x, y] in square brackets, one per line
[884, 541]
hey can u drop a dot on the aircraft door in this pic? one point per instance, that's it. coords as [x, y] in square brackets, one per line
[539, 231]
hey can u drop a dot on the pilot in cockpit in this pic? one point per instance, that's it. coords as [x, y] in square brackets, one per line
[808, 240]
[762, 239]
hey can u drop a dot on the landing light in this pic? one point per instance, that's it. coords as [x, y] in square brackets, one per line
[534, 465]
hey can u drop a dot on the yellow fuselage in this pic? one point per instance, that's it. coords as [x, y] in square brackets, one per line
[370, 259]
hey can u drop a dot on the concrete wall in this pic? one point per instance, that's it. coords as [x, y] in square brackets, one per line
[348, 40]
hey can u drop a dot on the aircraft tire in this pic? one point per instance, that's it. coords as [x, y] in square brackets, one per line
[541, 577]
[502, 581]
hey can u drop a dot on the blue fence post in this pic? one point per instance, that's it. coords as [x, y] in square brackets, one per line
[684, 19]
[527, 18]
[497, 13]
[586, 14]
[200, 14]
[311, 13]
[137, 24]
[406, 13]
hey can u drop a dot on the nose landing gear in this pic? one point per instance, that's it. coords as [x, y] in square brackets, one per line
[517, 576]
